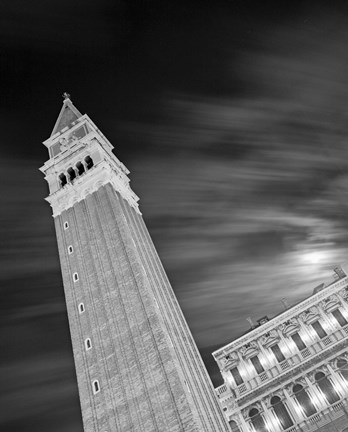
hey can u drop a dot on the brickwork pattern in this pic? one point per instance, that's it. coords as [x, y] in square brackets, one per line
[151, 376]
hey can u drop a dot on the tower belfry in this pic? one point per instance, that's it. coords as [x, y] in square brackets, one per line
[138, 368]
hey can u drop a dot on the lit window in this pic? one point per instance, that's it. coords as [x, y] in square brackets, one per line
[281, 412]
[81, 308]
[339, 318]
[257, 364]
[96, 387]
[327, 387]
[319, 329]
[75, 277]
[88, 344]
[298, 341]
[66, 225]
[257, 420]
[70, 249]
[236, 376]
[277, 353]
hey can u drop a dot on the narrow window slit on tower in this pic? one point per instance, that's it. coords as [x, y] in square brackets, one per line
[66, 225]
[96, 387]
[75, 277]
[89, 162]
[72, 174]
[80, 168]
[81, 308]
[88, 344]
[62, 179]
[70, 249]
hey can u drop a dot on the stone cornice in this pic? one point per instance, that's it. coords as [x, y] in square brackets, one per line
[275, 322]
[100, 175]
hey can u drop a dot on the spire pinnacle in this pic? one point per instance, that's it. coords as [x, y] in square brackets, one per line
[66, 96]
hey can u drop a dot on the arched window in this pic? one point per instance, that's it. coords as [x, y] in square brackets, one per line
[62, 179]
[342, 366]
[80, 168]
[304, 400]
[233, 425]
[96, 387]
[89, 162]
[72, 173]
[326, 387]
[281, 412]
[257, 420]
[88, 344]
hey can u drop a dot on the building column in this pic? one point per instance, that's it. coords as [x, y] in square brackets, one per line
[339, 383]
[270, 418]
[293, 408]
[316, 395]
[244, 424]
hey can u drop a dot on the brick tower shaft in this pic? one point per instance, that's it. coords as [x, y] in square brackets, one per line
[137, 365]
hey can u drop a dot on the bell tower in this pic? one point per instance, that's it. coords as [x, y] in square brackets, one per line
[138, 368]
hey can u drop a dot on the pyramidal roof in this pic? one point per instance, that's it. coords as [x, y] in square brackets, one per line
[68, 114]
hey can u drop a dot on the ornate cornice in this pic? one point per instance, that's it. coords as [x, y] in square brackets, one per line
[281, 319]
[90, 182]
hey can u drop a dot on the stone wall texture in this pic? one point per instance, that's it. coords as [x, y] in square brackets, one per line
[150, 373]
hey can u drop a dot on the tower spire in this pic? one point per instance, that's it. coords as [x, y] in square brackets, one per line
[68, 114]
[137, 365]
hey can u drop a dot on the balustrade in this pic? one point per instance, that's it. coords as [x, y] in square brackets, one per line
[283, 367]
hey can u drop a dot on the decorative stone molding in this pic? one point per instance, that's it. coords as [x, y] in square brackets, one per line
[245, 411]
[90, 182]
[250, 349]
[270, 338]
[330, 303]
[311, 315]
[344, 294]
[290, 327]
[301, 381]
[229, 360]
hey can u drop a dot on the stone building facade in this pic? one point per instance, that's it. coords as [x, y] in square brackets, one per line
[290, 373]
[138, 368]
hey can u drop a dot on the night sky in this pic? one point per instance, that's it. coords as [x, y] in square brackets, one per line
[232, 117]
